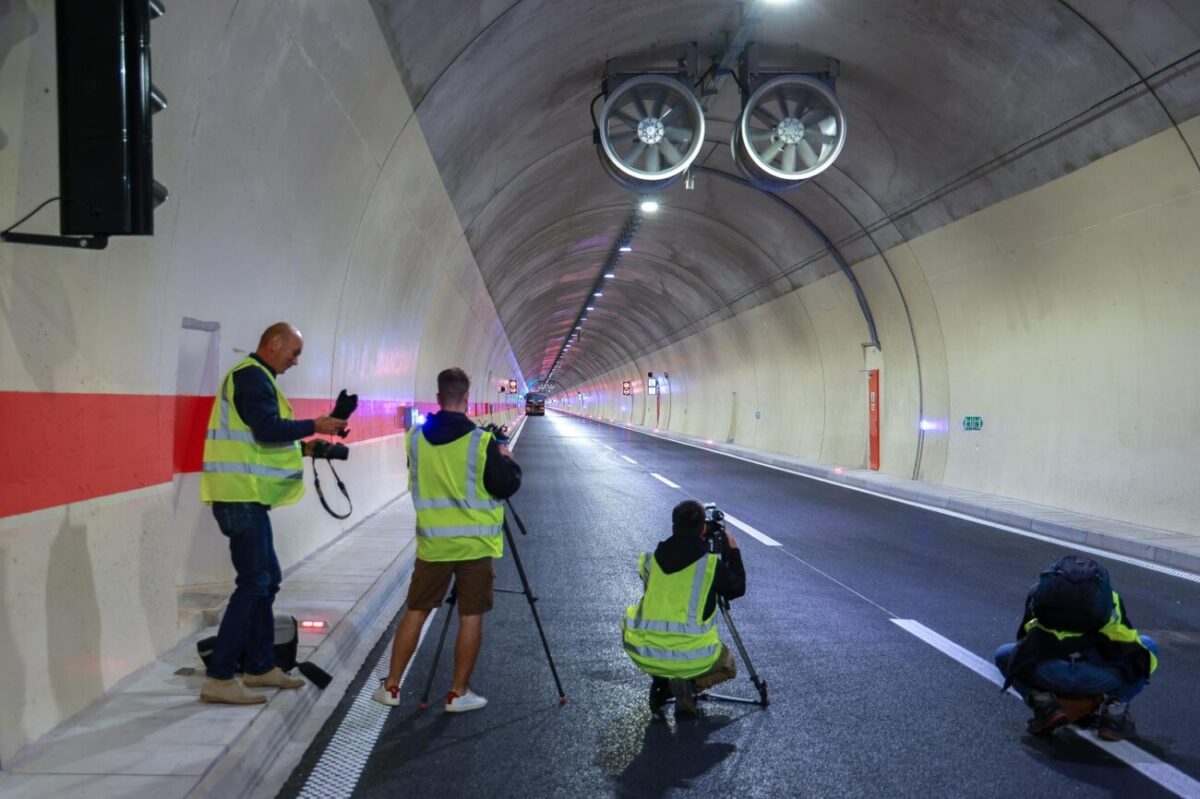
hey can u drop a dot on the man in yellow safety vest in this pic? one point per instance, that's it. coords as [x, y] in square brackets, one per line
[671, 634]
[458, 476]
[252, 463]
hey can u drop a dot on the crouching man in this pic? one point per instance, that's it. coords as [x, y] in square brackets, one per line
[671, 633]
[1076, 641]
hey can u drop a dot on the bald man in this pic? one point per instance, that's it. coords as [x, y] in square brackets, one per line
[253, 462]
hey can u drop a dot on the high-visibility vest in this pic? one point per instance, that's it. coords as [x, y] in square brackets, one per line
[238, 467]
[1115, 631]
[457, 519]
[664, 633]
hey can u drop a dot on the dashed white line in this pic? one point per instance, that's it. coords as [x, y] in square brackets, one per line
[631, 460]
[664, 480]
[741, 525]
[1140, 760]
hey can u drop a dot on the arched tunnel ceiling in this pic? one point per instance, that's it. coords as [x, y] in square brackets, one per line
[951, 107]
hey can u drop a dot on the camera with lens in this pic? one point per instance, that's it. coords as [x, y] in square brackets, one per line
[346, 404]
[714, 529]
[330, 452]
[499, 432]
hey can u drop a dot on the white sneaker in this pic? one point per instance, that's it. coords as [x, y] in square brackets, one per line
[461, 704]
[386, 696]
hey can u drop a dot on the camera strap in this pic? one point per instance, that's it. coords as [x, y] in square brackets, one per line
[341, 487]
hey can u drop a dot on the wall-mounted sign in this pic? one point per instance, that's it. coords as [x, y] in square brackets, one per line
[503, 387]
[972, 423]
[512, 386]
[651, 385]
[626, 388]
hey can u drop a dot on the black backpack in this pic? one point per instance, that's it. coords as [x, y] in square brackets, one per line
[1073, 595]
[287, 641]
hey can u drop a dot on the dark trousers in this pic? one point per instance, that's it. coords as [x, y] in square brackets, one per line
[247, 631]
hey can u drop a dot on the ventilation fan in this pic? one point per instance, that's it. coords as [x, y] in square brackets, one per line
[791, 129]
[651, 129]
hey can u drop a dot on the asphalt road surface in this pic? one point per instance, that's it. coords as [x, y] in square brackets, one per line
[839, 617]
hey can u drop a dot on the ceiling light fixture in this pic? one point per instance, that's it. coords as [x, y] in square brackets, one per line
[649, 206]
[625, 248]
[610, 274]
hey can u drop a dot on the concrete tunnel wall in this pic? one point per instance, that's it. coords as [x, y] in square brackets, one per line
[1066, 317]
[302, 189]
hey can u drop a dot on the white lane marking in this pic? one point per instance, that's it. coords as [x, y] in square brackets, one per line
[1140, 760]
[1107, 554]
[607, 447]
[741, 525]
[512, 441]
[631, 460]
[336, 773]
[662, 479]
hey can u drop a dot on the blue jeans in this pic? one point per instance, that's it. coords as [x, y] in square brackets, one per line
[247, 631]
[1078, 677]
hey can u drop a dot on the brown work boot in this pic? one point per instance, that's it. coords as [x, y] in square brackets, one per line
[275, 678]
[229, 692]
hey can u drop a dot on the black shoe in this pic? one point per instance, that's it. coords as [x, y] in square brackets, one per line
[685, 703]
[1048, 715]
[1115, 723]
[660, 692]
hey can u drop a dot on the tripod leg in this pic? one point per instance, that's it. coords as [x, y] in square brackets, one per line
[759, 683]
[562, 697]
[437, 655]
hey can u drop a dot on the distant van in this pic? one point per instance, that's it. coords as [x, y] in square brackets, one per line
[535, 404]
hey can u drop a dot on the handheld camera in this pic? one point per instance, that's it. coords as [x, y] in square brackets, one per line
[499, 432]
[346, 404]
[714, 529]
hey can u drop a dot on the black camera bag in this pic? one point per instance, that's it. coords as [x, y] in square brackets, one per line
[287, 641]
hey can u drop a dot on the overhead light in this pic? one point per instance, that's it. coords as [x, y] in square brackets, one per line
[610, 274]
[625, 248]
[649, 206]
[591, 308]
[598, 294]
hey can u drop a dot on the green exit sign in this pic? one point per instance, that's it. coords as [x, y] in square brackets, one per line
[972, 423]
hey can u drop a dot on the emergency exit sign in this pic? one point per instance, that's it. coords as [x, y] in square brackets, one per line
[972, 423]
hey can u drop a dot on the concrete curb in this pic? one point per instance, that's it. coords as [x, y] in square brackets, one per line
[252, 757]
[1147, 543]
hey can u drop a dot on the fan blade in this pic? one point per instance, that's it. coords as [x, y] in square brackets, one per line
[653, 160]
[765, 116]
[761, 135]
[643, 104]
[681, 135]
[789, 158]
[671, 152]
[624, 136]
[628, 120]
[660, 101]
[807, 154]
[781, 98]
[771, 152]
[632, 156]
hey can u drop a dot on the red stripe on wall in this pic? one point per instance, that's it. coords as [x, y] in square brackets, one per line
[75, 447]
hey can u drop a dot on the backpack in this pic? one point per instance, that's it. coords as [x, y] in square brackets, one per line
[287, 641]
[1073, 595]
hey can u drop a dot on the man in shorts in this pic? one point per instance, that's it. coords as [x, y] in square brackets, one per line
[458, 476]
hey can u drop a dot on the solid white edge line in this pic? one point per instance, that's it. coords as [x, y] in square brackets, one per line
[664, 480]
[741, 525]
[631, 460]
[1164, 774]
[352, 744]
[1132, 561]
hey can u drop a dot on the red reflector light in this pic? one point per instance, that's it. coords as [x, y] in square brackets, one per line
[312, 625]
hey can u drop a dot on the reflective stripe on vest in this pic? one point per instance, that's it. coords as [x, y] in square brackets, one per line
[683, 644]
[457, 519]
[239, 468]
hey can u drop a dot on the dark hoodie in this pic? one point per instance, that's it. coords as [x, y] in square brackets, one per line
[680, 551]
[501, 475]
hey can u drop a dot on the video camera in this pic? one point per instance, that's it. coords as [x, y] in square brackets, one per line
[714, 529]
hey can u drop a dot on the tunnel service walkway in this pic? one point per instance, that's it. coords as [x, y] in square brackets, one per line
[864, 702]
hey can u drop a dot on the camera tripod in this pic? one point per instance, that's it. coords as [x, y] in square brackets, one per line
[525, 589]
[759, 683]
